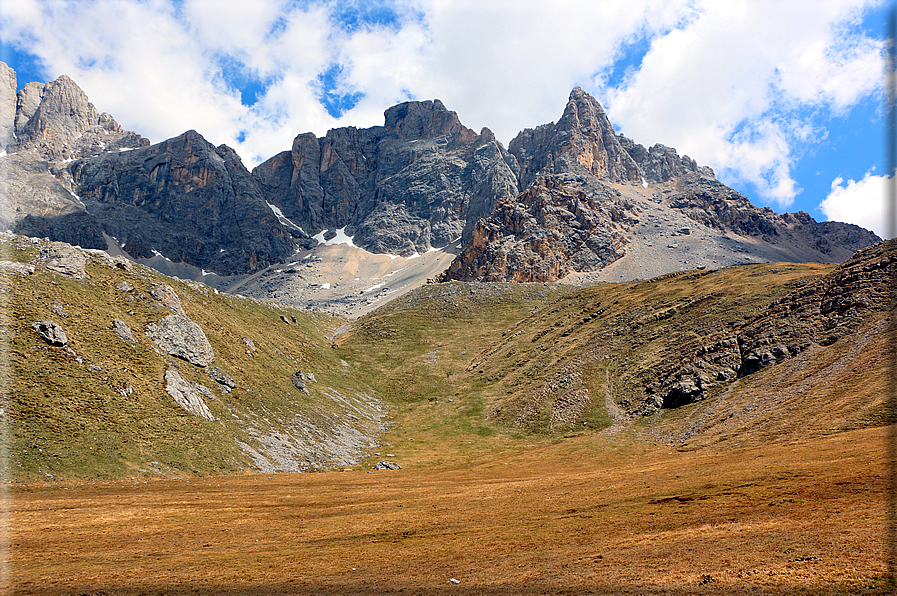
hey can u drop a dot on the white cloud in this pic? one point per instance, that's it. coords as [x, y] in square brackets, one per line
[725, 87]
[860, 202]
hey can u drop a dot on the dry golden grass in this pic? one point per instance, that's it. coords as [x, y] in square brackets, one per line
[594, 514]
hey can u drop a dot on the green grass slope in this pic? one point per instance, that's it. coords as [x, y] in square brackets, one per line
[98, 407]
[448, 373]
[528, 363]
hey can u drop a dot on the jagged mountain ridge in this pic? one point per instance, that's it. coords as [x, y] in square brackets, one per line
[420, 181]
[588, 191]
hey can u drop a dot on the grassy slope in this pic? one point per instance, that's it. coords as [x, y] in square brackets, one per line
[415, 351]
[469, 370]
[784, 496]
[65, 417]
[462, 361]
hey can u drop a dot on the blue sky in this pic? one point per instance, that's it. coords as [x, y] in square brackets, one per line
[783, 99]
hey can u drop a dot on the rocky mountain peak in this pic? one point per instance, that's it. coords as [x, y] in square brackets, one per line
[582, 141]
[57, 119]
[414, 120]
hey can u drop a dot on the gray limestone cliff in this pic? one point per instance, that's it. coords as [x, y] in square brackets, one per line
[590, 193]
[186, 200]
[422, 180]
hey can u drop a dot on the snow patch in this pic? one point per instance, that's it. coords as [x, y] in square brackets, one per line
[77, 198]
[158, 254]
[394, 272]
[340, 238]
[325, 286]
[3, 153]
[204, 272]
[644, 183]
[372, 288]
[283, 218]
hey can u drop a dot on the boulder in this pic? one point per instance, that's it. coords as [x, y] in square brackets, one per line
[299, 381]
[50, 332]
[185, 394]
[182, 338]
[387, 465]
[122, 330]
[64, 258]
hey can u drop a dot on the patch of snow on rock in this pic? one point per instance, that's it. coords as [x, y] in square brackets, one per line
[284, 219]
[340, 238]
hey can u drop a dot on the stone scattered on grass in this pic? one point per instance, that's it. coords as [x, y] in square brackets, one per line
[387, 465]
[122, 330]
[185, 394]
[58, 309]
[50, 332]
[227, 383]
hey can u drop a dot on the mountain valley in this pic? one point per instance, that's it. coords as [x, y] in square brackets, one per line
[572, 365]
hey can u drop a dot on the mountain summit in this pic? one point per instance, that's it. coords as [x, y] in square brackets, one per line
[593, 199]
[571, 198]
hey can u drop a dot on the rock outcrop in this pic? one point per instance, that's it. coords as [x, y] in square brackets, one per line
[545, 234]
[421, 180]
[818, 312]
[557, 226]
[183, 338]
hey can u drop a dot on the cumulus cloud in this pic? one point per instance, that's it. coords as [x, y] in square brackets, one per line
[860, 202]
[734, 85]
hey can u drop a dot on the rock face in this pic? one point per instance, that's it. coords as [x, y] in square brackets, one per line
[560, 200]
[183, 338]
[42, 129]
[555, 227]
[587, 190]
[8, 87]
[582, 142]
[73, 175]
[714, 205]
[185, 200]
[421, 180]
